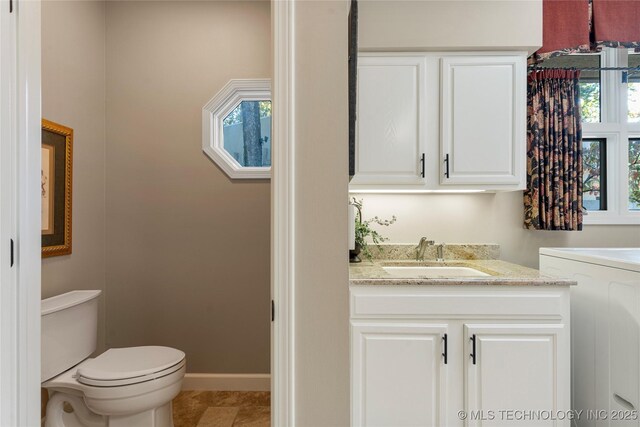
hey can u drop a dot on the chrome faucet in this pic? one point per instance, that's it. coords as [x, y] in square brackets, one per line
[422, 246]
[440, 252]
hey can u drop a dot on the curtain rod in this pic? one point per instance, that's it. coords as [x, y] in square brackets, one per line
[538, 67]
[625, 70]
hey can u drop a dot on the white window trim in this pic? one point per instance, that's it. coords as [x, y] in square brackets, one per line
[213, 114]
[617, 131]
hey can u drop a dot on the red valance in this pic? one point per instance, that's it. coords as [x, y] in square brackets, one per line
[616, 22]
[565, 25]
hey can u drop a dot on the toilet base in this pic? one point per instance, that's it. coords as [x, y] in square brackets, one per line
[83, 417]
[157, 417]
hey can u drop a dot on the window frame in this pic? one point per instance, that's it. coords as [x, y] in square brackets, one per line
[216, 110]
[615, 128]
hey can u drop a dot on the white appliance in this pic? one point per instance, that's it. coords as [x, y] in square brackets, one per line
[605, 331]
[122, 387]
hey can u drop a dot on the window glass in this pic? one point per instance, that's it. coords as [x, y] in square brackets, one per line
[247, 133]
[594, 174]
[589, 82]
[634, 174]
[633, 92]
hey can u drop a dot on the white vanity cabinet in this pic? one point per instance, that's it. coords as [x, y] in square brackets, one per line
[440, 121]
[514, 367]
[401, 378]
[422, 354]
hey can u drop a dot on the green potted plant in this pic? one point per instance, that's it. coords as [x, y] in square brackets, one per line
[364, 230]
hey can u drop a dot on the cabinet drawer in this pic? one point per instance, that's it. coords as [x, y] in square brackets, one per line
[466, 302]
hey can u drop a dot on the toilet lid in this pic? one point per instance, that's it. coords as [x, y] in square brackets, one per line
[129, 363]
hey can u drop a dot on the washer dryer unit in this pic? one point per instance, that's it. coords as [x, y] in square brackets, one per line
[605, 331]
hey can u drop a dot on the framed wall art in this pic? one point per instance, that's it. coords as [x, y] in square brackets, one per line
[56, 188]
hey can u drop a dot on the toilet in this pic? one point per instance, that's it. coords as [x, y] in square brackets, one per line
[122, 387]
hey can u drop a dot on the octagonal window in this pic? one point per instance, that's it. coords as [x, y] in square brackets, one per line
[247, 133]
[237, 129]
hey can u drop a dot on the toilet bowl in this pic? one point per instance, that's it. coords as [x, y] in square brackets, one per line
[130, 387]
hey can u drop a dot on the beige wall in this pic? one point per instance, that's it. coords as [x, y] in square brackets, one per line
[73, 94]
[187, 248]
[450, 24]
[484, 218]
[322, 312]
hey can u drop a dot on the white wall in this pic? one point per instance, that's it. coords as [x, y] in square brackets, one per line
[73, 94]
[450, 24]
[484, 218]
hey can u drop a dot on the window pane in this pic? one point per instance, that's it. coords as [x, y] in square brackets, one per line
[247, 133]
[634, 174]
[589, 82]
[594, 174]
[633, 93]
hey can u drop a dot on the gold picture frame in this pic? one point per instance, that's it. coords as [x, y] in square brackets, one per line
[56, 188]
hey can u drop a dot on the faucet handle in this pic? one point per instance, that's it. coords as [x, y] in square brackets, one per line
[423, 240]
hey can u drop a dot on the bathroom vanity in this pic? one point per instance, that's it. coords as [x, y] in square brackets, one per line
[463, 342]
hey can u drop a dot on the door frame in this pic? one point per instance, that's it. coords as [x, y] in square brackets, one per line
[20, 222]
[21, 406]
[283, 215]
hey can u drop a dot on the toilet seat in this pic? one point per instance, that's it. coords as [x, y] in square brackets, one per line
[146, 385]
[127, 366]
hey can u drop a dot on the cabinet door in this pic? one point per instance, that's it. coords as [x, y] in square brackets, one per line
[483, 107]
[388, 121]
[398, 374]
[516, 368]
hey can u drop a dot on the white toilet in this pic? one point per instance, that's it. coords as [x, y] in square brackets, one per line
[122, 387]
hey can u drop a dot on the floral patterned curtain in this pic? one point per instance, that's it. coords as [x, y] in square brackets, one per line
[553, 198]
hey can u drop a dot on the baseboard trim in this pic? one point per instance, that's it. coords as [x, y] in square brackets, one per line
[227, 382]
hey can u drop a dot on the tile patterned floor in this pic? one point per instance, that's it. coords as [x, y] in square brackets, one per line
[222, 409]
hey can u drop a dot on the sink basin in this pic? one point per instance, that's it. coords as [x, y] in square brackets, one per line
[433, 272]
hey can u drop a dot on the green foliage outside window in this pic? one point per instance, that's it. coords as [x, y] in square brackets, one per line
[590, 102]
[591, 168]
[634, 174]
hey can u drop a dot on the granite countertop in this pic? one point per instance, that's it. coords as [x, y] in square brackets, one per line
[501, 273]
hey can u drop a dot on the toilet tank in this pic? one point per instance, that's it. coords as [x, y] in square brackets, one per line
[69, 331]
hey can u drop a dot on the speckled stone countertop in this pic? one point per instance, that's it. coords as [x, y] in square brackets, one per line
[501, 273]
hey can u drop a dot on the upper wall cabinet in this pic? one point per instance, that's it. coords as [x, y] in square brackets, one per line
[390, 129]
[440, 121]
[483, 120]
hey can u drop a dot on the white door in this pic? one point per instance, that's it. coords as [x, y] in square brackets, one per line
[399, 374]
[20, 129]
[513, 367]
[389, 122]
[483, 107]
[9, 381]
